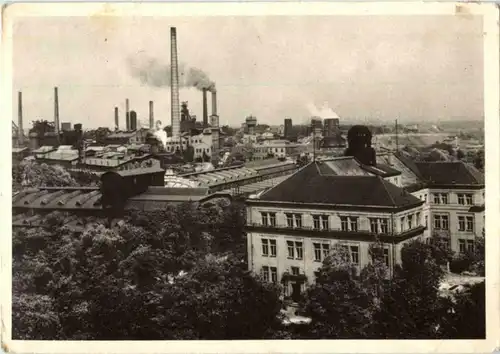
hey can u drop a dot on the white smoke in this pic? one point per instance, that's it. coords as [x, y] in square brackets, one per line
[324, 112]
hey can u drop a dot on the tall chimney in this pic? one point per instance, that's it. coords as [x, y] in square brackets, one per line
[174, 76]
[56, 111]
[117, 123]
[127, 115]
[151, 116]
[205, 108]
[214, 102]
[20, 132]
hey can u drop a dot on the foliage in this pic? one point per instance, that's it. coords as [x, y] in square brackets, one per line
[42, 126]
[177, 273]
[33, 174]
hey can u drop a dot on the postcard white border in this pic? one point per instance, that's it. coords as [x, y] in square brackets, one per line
[492, 128]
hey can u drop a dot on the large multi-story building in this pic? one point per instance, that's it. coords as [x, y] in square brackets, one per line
[354, 201]
[292, 226]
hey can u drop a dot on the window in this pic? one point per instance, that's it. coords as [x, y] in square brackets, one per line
[384, 226]
[316, 222]
[374, 225]
[470, 245]
[426, 221]
[265, 247]
[344, 222]
[402, 223]
[465, 199]
[274, 274]
[299, 250]
[470, 223]
[461, 246]
[355, 254]
[265, 273]
[418, 220]
[317, 252]
[386, 257]
[273, 247]
[410, 222]
[264, 219]
[325, 222]
[295, 270]
[298, 220]
[440, 198]
[294, 220]
[272, 219]
[321, 251]
[353, 223]
[441, 222]
[291, 249]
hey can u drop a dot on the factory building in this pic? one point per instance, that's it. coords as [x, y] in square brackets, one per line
[288, 126]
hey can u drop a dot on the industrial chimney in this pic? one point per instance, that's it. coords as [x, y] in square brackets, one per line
[151, 116]
[127, 115]
[174, 77]
[117, 123]
[133, 120]
[205, 109]
[20, 132]
[214, 102]
[56, 111]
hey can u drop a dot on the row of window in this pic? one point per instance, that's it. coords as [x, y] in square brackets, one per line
[463, 198]
[465, 223]
[295, 250]
[347, 223]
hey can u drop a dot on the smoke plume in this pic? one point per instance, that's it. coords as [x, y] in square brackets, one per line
[151, 72]
[324, 112]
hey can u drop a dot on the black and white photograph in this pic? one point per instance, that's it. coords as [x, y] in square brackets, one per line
[212, 173]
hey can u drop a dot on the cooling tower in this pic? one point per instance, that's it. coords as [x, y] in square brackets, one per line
[174, 76]
[133, 120]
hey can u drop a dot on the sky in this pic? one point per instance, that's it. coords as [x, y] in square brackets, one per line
[361, 68]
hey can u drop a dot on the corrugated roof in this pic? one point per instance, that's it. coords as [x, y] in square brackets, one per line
[308, 185]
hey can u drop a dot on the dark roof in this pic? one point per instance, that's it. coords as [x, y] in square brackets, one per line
[408, 163]
[382, 170]
[309, 186]
[58, 198]
[139, 171]
[444, 173]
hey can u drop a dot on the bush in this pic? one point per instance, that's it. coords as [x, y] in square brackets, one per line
[461, 263]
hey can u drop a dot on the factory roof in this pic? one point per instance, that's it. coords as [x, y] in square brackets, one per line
[70, 155]
[44, 149]
[445, 173]
[119, 135]
[310, 186]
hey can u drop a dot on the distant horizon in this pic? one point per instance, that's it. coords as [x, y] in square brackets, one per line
[269, 67]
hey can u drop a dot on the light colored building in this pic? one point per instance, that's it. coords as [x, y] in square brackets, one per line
[453, 195]
[292, 226]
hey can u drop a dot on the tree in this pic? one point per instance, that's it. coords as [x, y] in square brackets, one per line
[338, 305]
[33, 174]
[41, 127]
[411, 307]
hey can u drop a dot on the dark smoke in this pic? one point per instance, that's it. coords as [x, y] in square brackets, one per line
[151, 72]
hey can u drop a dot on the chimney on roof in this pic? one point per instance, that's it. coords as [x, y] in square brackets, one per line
[151, 116]
[20, 132]
[56, 111]
[117, 123]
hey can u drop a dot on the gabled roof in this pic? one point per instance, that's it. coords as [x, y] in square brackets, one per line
[310, 186]
[444, 173]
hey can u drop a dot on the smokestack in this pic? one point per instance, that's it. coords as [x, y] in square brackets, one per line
[151, 116]
[133, 120]
[174, 76]
[20, 133]
[127, 115]
[214, 102]
[117, 123]
[56, 111]
[205, 108]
